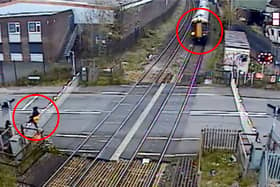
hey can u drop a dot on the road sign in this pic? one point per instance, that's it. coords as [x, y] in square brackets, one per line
[259, 76]
[273, 79]
[265, 58]
[34, 77]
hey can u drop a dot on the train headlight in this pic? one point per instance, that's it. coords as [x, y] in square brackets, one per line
[193, 33]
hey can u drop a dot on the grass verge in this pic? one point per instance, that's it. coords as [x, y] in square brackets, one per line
[152, 40]
[55, 77]
[7, 176]
[227, 172]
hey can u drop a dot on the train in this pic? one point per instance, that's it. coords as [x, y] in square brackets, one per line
[200, 23]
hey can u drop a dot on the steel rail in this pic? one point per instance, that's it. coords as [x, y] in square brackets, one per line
[163, 52]
[127, 118]
[179, 75]
[118, 104]
[178, 118]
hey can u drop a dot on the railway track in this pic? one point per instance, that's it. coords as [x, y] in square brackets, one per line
[127, 171]
[178, 117]
[185, 173]
[66, 177]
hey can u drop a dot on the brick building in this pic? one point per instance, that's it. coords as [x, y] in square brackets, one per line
[34, 37]
[47, 31]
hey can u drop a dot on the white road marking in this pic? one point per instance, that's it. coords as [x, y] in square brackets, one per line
[29, 103]
[113, 93]
[166, 155]
[137, 124]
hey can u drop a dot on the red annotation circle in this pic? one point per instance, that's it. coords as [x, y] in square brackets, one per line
[193, 52]
[57, 122]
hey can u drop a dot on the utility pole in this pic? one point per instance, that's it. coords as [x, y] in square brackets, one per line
[2, 73]
[230, 15]
[15, 70]
[73, 62]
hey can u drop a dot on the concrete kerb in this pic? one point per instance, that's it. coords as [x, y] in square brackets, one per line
[246, 122]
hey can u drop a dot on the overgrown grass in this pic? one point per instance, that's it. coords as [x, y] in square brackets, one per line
[152, 40]
[35, 153]
[7, 176]
[215, 58]
[105, 80]
[55, 77]
[227, 172]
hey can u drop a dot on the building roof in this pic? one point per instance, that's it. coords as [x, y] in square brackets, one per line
[275, 3]
[251, 4]
[101, 4]
[27, 9]
[85, 11]
[106, 2]
[236, 39]
[82, 15]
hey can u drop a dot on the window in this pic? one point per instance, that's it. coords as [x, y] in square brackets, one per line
[1, 48]
[35, 48]
[14, 27]
[34, 26]
[15, 48]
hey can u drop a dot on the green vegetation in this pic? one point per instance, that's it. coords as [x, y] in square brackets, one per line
[35, 151]
[217, 55]
[152, 40]
[7, 176]
[215, 58]
[53, 150]
[133, 60]
[228, 14]
[55, 77]
[227, 172]
[105, 80]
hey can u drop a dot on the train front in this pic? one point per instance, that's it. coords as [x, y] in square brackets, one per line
[200, 23]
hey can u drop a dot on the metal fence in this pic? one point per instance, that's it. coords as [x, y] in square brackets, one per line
[223, 139]
[226, 139]
[270, 170]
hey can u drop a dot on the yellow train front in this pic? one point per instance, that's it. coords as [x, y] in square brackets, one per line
[200, 23]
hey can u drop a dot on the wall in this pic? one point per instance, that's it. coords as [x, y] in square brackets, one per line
[232, 55]
[141, 15]
[57, 31]
[133, 21]
[127, 28]
[19, 70]
[54, 28]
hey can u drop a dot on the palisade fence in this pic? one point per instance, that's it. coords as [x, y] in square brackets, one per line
[270, 170]
[228, 140]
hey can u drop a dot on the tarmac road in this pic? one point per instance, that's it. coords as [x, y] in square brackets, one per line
[211, 107]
